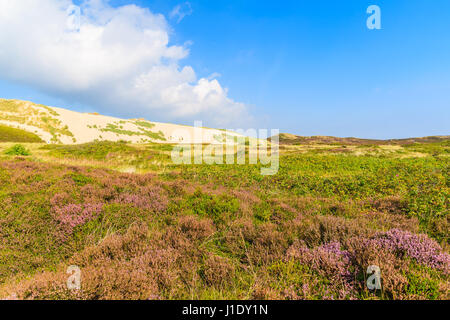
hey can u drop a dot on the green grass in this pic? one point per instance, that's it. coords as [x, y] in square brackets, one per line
[8, 134]
[218, 208]
[435, 148]
[220, 231]
[113, 155]
[93, 150]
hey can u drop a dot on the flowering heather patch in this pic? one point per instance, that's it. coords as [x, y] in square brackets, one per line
[417, 246]
[134, 199]
[72, 215]
[139, 192]
[389, 250]
[149, 199]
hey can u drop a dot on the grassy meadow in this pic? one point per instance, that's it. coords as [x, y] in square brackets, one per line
[141, 227]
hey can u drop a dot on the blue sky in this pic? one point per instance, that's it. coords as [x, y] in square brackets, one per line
[312, 67]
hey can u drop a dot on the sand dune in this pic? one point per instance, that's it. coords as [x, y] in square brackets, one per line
[58, 125]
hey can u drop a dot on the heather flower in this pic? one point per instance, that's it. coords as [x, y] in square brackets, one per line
[417, 246]
[73, 215]
[334, 248]
[329, 261]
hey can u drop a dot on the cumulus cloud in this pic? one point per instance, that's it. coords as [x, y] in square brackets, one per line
[179, 12]
[116, 59]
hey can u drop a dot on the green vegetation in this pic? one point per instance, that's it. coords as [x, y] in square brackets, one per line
[219, 208]
[435, 148]
[225, 231]
[8, 134]
[144, 124]
[115, 155]
[17, 150]
[92, 150]
[119, 130]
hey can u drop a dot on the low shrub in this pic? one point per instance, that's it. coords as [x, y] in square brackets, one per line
[18, 150]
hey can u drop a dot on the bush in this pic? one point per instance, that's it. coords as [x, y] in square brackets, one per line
[18, 150]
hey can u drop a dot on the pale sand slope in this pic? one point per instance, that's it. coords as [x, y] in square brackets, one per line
[58, 125]
[88, 127]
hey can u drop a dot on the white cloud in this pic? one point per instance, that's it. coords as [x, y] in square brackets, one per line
[118, 60]
[180, 11]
